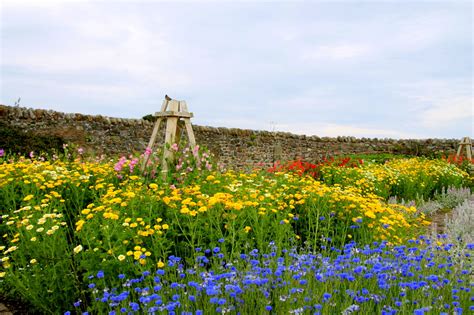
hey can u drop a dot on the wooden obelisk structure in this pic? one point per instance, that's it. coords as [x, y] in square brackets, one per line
[465, 143]
[175, 115]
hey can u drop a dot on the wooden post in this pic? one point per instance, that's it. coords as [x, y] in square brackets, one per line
[175, 113]
[154, 134]
[170, 135]
[465, 142]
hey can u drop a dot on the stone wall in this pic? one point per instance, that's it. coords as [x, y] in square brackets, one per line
[238, 148]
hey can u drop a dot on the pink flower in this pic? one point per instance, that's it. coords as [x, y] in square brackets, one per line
[2, 152]
[80, 151]
[174, 147]
[196, 150]
[148, 151]
[133, 162]
[32, 154]
[119, 165]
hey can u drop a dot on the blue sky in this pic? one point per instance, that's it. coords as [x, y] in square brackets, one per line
[395, 69]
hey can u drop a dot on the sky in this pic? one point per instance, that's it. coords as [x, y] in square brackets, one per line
[385, 69]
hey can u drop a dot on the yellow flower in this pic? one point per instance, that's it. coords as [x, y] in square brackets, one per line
[29, 197]
[370, 214]
[33, 261]
[160, 264]
[165, 226]
[77, 249]
[121, 257]
[247, 229]
[2, 274]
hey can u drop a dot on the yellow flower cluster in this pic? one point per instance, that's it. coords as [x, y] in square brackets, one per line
[406, 178]
[130, 219]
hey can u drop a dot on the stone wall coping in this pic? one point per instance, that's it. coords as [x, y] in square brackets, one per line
[33, 114]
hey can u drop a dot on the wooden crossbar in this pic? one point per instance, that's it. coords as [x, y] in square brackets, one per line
[174, 114]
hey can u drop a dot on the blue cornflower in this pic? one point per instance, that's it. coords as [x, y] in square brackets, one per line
[358, 269]
[198, 249]
[221, 240]
[91, 286]
[174, 285]
[268, 308]
[77, 304]
[192, 298]
[134, 306]
[326, 296]
[121, 276]
[100, 274]
[322, 218]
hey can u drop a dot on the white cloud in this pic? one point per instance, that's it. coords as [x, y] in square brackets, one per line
[336, 52]
[440, 104]
[448, 112]
[263, 59]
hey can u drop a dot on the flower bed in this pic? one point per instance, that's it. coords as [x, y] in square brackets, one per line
[64, 222]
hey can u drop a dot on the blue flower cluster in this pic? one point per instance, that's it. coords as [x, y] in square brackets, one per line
[419, 277]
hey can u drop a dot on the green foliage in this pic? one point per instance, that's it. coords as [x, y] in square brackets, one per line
[15, 140]
[149, 117]
[68, 220]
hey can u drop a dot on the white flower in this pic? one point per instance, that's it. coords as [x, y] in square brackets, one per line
[77, 249]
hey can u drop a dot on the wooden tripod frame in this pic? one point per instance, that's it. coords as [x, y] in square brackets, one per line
[175, 114]
[465, 143]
